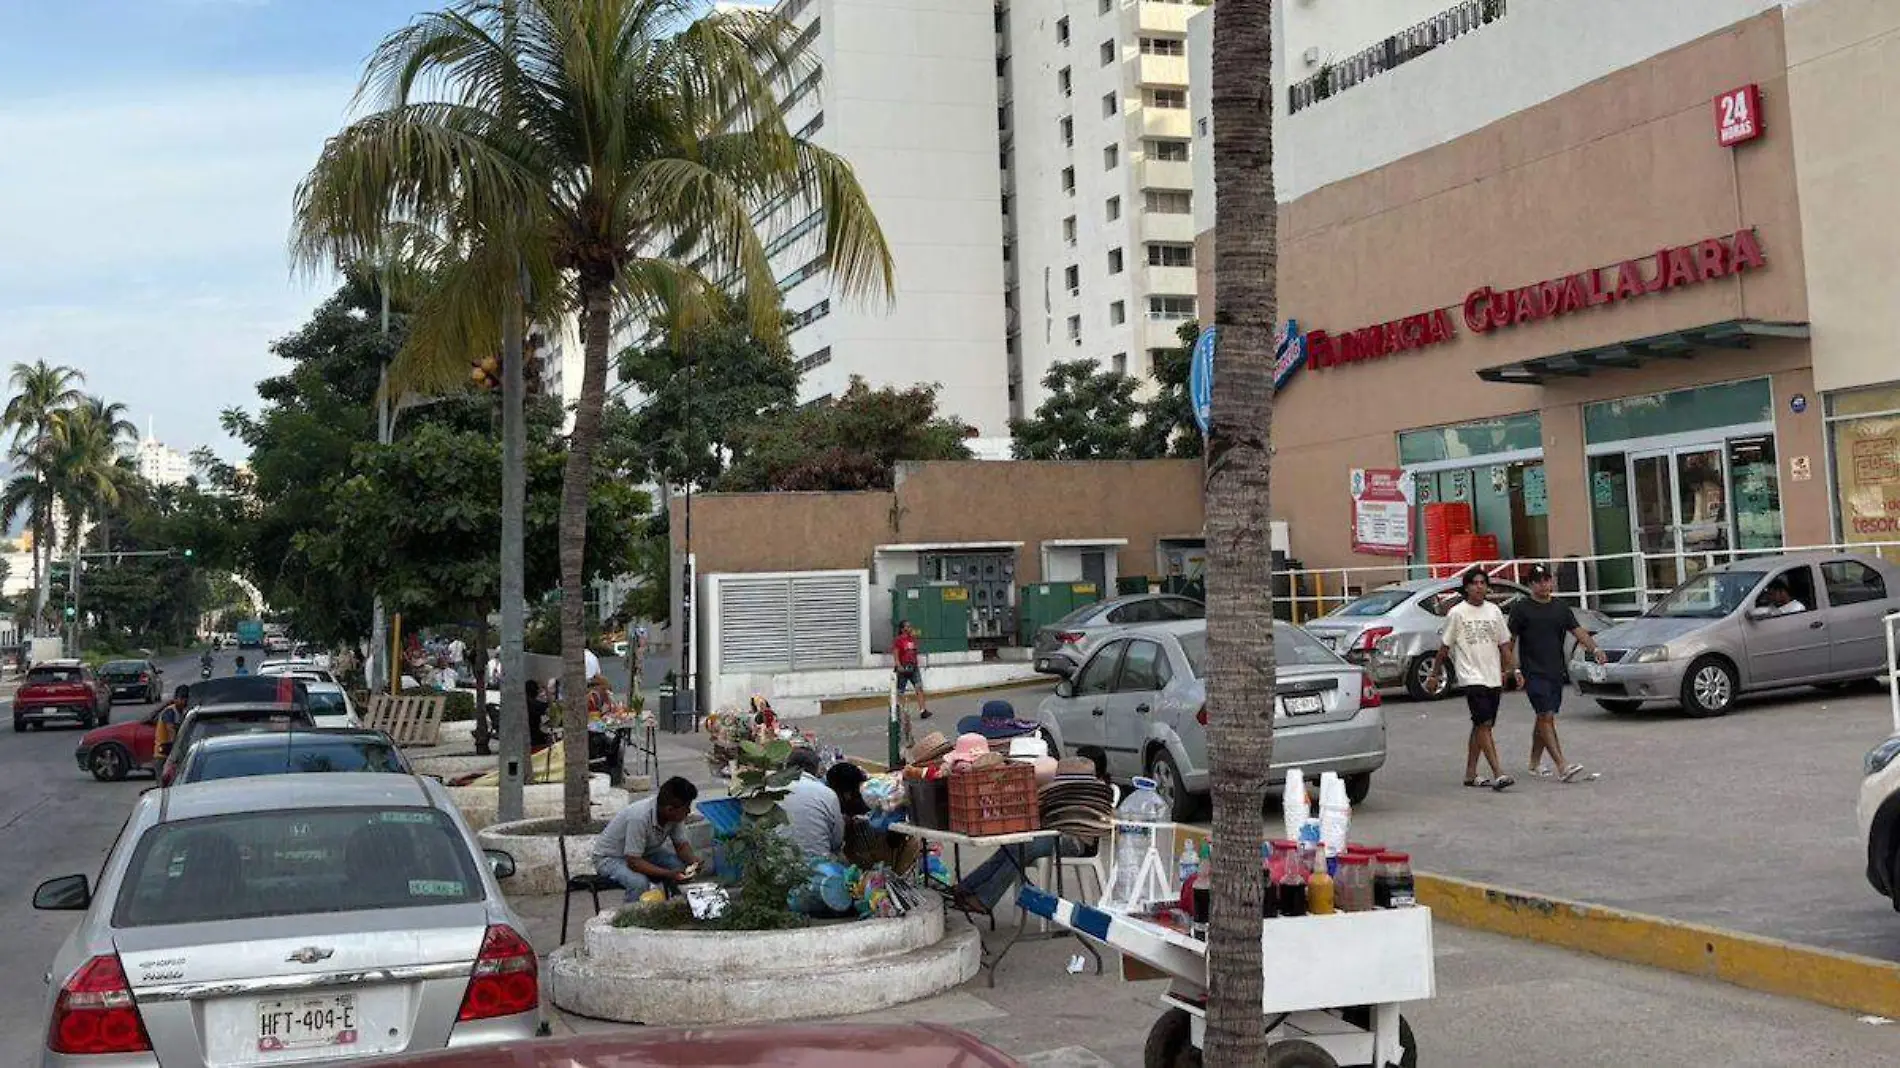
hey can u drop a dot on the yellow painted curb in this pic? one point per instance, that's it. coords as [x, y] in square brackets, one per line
[1842, 980]
[866, 703]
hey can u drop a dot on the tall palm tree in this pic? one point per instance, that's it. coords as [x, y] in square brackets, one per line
[84, 468]
[39, 390]
[628, 146]
[1239, 568]
[108, 418]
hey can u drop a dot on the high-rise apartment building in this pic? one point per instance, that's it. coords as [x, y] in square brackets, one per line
[160, 464]
[1097, 183]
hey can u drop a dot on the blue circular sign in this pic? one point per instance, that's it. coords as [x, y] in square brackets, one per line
[1798, 402]
[1201, 379]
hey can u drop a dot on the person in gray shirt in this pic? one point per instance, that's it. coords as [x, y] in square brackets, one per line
[644, 845]
[819, 809]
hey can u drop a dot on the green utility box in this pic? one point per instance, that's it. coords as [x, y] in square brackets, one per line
[1132, 584]
[1045, 602]
[938, 611]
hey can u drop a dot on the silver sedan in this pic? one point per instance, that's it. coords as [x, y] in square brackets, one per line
[292, 918]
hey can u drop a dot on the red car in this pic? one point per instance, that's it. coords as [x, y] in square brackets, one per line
[786, 1046]
[61, 689]
[113, 752]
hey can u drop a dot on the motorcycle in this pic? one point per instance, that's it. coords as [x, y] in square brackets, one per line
[204, 671]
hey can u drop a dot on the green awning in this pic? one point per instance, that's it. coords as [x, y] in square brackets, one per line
[1675, 345]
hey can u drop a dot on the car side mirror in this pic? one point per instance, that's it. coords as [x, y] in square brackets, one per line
[68, 893]
[1758, 613]
[501, 863]
[1065, 688]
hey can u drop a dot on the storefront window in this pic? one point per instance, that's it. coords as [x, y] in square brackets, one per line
[1679, 412]
[1864, 441]
[1752, 469]
[1487, 437]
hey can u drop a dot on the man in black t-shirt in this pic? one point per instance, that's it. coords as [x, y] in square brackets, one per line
[1538, 625]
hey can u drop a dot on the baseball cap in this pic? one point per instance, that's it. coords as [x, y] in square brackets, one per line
[1537, 573]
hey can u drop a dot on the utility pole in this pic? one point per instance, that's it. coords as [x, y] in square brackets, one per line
[385, 431]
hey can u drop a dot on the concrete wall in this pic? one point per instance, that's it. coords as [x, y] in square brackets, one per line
[1843, 76]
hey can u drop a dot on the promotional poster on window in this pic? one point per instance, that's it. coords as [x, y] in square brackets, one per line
[1382, 499]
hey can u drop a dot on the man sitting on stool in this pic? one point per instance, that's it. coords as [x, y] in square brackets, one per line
[645, 846]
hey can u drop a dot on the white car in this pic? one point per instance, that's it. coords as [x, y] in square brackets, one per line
[307, 670]
[1879, 813]
[329, 705]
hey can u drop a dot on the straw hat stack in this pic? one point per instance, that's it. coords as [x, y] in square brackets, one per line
[1076, 801]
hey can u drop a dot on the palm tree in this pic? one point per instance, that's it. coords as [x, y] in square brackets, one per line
[624, 144]
[39, 390]
[85, 472]
[1239, 570]
[108, 417]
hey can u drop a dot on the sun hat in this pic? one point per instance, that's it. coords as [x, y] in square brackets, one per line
[997, 720]
[930, 747]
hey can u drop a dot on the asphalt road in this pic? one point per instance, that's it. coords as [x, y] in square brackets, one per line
[54, 819]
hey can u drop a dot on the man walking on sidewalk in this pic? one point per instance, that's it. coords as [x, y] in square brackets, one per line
[910, 675]
[1477, 643]
[1538, 626]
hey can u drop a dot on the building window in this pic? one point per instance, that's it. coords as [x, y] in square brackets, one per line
[1113, 209]
[1111, 157]
[1002, 159]
[1163, 46]
[1002, 118]
[1170, 255]
[1157, 356]
[1068, 180]
[1075, 329]
[1117, 313]
[809, 270]
[1068, 230]
[1864, 439]
[1067, 126]
[1171, 308]
[1002, 66]
[1168, 201]
[1005, 202]
[1062, 30]
[1119, 362]
[816, 124]
[816, 359]
[1110, 104]
[1072, 277]
[1114, 261]
[788, 238]
[1108, 52]
[1168, 151]
[1164, 98]
[809, 316]
[1064, 82]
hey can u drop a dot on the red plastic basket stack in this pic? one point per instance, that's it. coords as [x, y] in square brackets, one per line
[1445, 522]
[994, 800]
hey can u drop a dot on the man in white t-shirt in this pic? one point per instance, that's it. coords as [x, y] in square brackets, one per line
[1477, 639]
[458, 652]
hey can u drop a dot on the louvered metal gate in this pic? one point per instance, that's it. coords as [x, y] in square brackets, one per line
[791, 622]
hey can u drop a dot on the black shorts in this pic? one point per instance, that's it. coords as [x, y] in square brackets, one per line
[1546, 694]
[910, 676]
[1483, 703]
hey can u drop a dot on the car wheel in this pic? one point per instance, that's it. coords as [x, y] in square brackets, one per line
[1708, 688]
[19, 724]
[1171, 1042]
[1358, 787]
[1619, 706]
[1418, 671]
[110, 763]
[1171, 787]
[151, 696]
[88, 720]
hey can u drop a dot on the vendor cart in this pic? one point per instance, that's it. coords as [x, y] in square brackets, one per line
[1333, 984]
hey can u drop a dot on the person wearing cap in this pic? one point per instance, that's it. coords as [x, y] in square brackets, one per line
[906, 652]
[1538, 624]
[1477, 641]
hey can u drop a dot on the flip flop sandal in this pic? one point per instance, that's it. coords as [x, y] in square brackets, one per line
[1503, 783]
[1543, 771]
[1481, 783]
[1573, 772]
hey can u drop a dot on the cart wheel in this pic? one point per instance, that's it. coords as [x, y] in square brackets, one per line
[1299, 1053]
[1171, 1042]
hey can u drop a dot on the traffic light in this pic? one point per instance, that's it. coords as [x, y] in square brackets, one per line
[71, 612]
[189, 552]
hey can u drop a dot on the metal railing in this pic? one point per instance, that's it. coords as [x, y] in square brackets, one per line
[1312, 592]
[1891, 624]
[1402, 47]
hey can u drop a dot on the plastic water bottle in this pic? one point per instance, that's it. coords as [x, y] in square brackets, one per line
[1135, 821]
[1189, 863]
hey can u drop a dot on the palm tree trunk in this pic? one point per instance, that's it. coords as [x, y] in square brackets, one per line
[576, 481]
[514, 600]
[1240, 685]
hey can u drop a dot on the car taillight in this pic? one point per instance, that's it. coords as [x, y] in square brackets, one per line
[1369, 693]
[1200, 715]
[1069, 637]
[1370, 637]
[95, 1012]
[143, 677]
[506, 980]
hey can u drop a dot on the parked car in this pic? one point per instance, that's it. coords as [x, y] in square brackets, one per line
[219, 720]
[296, 668]
[331, 706]
[1879, 813]
[279, 919]
[61, 689]
[776, 1045]
[276, 643]
[1063, 645]
[1138, 705]
[324, 750]
[140, 680]
[249, 689]
[1719, 635]
[1393, 631]
[116, 750]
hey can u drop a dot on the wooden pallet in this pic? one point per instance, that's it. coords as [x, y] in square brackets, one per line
[409, 721]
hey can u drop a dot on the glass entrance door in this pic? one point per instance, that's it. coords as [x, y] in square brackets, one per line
[1679, 512]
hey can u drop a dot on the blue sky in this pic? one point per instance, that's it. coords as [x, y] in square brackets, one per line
[148, 152]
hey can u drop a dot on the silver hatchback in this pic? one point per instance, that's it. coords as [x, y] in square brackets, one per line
[1729, 630]
[1063, 645]
[296, 918]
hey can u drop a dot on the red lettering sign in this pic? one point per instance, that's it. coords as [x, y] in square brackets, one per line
[1738, 116]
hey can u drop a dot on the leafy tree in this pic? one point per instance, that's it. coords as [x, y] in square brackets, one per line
[850, 443]
[1088, 415]
[621, 141]
[39, 392]
[1167, 418]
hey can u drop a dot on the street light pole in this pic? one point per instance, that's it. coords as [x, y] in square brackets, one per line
[685, 699]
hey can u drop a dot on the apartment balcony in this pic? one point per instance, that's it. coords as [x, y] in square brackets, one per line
[1170, 281]
[1166, 174]
[1161, 71]
[1167, 228]
[1161, 332]
[1174, 123]
[1164, 18]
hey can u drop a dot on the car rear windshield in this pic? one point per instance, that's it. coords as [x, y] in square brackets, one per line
[328, 704]
[1292, 647]
[1376, 603]
[302, 755]
[122, 667]
[52, 674]
[204, 727]
[295, 862]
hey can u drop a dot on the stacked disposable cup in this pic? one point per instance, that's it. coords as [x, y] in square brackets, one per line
[1335, 813]
[1294, 805]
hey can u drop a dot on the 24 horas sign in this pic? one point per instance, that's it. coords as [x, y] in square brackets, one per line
[1487, 309]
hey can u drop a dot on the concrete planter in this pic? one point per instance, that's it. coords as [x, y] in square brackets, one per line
[675, 978]
[541, 800]
[535, 845]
